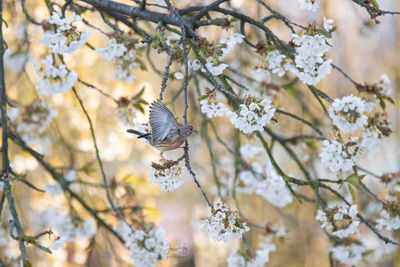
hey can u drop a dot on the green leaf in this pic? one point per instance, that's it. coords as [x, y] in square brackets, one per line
[26, 263]
[375, 3]
[311, 143]
[140, 50]
[129, 190]
[142, 101]
[387, 98]
[203, 97]
[352, 192]
[291, 91]
[88, 169]
[138, 107]
[141, 63]
[139, 95]
[382, 103]
[353, 180]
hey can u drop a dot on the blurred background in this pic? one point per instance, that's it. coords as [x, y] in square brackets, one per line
[360, 46]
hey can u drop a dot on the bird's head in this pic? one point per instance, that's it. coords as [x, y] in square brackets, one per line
[187, 130]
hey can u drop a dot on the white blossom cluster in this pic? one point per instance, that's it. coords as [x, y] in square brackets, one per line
[273, 188]
[310, 66]
[55, 79]
[126, 111]
[249, 151]
[67, 231]
[53, 189]
[253, 116]
[125, 114]
[213, 109]
[15, 60]
[309, 4]
[261, 256]
[342, 216]
[113, 51]
[370, 139]
[334, 157]
[230, 43]
[327, 24]
[124, 58]
[265, 182]
[216, 67]
[274, 60]
[350, 255]
[125, 65]
[347, 113]
[66, 39]
[384, 83]
[146, 245]
[36, 117]
[12, 113]
[166, 174]
[179, 75]
[223, 224]
[388, 222]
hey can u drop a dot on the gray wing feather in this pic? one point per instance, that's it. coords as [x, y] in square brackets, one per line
[162, 122]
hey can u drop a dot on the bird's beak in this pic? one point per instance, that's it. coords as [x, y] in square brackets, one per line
[195, 131]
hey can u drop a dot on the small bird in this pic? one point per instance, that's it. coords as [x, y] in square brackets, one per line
[166, 133]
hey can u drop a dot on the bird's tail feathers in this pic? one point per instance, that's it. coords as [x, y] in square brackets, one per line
[140, 134]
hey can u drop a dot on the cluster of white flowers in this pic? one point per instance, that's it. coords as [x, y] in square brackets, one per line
[215, 66]
[384, 83]
[369, 140]
[328, 24]
[310, 65]
[55, 79]
[274, 60]
[66, 39]
[309, 4]
[347, 113]
[125, 114]
[223, 224]
[146, 245]
[125, 111]
[253, 116]
[12, 113]
[334, 157]
[112, 51]
[230, 43]
[166, 174]
[63, 226]
[350, 255]
[179, 75]
[125, 59]
[15, 61]
[340, 215]
[261, 256]
[53, 189]
[36, 117]
[273, 188]
[70, 175]
[260, 259]
[125, 65]
[265, 182]
[388, 222]
[249, 151]
[213, 109]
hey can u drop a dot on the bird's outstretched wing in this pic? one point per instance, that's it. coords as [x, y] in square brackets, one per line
[162, 122]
